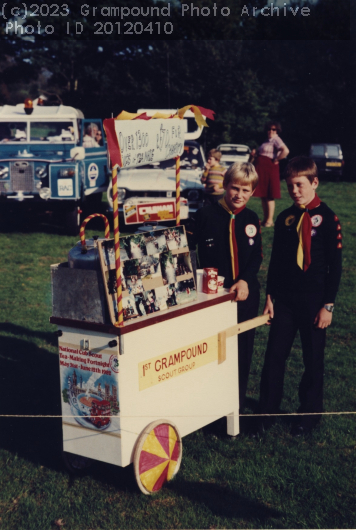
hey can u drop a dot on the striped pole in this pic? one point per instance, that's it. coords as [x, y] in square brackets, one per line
[120, 319]
[83, 225]
[177, 190]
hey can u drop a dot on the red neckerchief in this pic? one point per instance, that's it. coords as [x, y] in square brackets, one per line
[304, 229]
[234, 251]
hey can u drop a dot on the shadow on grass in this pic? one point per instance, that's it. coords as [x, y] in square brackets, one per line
[29, 385]
[223, 502]
[14, 329]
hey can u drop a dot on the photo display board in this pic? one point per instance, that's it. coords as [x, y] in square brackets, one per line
[156, 272]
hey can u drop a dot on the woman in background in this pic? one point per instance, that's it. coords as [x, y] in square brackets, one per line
[267, 160]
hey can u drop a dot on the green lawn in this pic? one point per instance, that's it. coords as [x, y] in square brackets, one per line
[273, 482]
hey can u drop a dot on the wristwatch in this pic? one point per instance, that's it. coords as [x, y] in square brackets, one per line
[329, 308]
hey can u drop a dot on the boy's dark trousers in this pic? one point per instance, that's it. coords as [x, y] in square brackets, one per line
[293, 312]
[246, 310]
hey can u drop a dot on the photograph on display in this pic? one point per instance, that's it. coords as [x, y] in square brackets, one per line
[176, 238]
[109, 253]
[155, 242]
[182, 264]
[134, 285]
[186, 291]
[150, 267]
[167, 267]
[135, 246]
[129, 307]
[161, 294]
[151, 302]
[156, 272]
[172, 295]
[140, 304]
[131, 267]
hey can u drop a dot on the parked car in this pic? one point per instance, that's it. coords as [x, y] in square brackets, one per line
[328, 158]
[232, 153]
[159, 179]
[44, 161]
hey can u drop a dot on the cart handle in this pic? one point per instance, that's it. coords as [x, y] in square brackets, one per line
[236, 330]
[82, 229]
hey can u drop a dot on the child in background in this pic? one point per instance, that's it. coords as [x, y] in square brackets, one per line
[213, 178]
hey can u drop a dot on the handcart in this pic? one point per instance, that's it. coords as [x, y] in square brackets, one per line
[130, 391]
[170, 373]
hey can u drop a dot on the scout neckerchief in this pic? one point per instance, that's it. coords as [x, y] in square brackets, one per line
[304, 233]
[232, 237]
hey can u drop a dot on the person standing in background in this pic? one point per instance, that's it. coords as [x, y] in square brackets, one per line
[267, 160]
[213, 178]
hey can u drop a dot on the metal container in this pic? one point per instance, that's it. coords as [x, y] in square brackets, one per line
[89, 259]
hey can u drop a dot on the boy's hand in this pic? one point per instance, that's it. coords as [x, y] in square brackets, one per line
[269, 310]
[241, 288]
[323, 318]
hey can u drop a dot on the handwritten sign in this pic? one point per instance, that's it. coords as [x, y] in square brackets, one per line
[142, 142]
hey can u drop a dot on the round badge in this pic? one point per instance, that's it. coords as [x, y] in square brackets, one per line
[251, 230]
[316, 220]
[251, 242]
[114, 363]
[313, 232]
[290, 220]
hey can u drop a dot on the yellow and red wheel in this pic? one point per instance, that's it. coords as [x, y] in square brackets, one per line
[158, 455]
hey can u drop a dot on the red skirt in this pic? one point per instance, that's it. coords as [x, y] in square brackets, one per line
[269, 186]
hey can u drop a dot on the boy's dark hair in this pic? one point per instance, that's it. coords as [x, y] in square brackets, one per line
[301, 166]
[215, 153]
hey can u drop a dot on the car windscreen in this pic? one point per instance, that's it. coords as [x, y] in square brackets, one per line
[13, 131]
[333, 151]
[54, 132]
[317, 150]
[235, 150]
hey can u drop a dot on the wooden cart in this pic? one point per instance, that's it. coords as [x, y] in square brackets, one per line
[169, 374]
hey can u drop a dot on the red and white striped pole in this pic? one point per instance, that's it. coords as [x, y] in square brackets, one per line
[82, 229]
[177, 190]
[120, 318]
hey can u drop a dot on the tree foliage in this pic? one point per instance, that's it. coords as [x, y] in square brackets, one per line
[247, 69]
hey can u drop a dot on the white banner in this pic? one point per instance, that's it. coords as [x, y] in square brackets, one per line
[145, 141]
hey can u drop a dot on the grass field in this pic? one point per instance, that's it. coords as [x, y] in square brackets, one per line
[274, 482]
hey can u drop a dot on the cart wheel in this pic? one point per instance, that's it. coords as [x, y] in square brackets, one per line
[157, 457]
[76, 464]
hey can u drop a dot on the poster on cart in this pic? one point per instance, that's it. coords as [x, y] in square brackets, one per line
[89, 388]
[156, 272]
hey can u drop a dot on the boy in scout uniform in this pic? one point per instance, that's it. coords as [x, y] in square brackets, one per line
[303, 279]
[228, 236]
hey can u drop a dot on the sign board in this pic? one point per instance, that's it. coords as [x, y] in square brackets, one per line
[138, 210]
[134, 143]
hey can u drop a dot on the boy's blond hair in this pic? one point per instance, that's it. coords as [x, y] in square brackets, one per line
[301, 166]
[242, 172]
